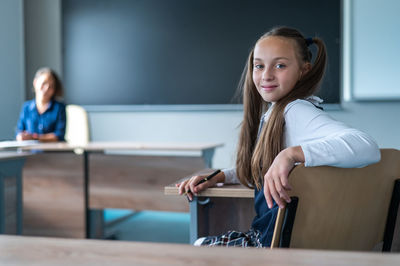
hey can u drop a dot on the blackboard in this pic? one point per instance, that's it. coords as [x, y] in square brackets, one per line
[139, 52]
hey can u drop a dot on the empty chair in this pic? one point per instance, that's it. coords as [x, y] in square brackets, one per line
[77, 130]
[341, 208]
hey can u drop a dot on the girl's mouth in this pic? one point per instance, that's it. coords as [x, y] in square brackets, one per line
[269, 88]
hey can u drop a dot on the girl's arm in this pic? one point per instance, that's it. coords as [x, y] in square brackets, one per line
[230, 176]
[350, 148]
[227, 176]
[326, 141]
[314, 138]
[192, 184]
[276, 183]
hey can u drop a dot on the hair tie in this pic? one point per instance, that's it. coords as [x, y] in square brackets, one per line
[309, 41]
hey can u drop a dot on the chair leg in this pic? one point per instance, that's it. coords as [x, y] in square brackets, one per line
[288, 222]
[392, 216]
[278, 228]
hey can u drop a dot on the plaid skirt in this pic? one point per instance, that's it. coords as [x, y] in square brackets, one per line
[235, 239]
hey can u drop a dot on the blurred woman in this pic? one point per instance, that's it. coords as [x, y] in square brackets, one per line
[43, 118]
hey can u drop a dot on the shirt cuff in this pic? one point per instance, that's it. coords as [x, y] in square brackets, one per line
[230, 176]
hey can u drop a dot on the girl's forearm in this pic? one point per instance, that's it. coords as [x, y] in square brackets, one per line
[296, 154]
[220, 178]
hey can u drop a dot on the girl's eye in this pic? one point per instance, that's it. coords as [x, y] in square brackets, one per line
[258, 66]
[279, 66]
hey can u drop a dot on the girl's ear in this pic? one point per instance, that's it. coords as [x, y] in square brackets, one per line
[304, 70]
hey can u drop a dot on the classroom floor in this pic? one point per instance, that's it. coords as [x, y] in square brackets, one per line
[148, 226]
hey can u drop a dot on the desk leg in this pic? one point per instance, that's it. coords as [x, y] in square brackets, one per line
[193, 221]
[96, 227]
[86, 192]
[94, 218]
[11, 196]
[19, 197]
[207, 157]
[199, 211]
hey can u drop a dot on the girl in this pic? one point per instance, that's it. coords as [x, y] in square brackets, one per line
[283, 126]
[43, 118]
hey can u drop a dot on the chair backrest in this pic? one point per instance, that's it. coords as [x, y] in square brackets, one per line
[341, 208]
[77, 130]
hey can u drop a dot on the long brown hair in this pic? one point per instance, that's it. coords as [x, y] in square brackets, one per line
[254, 157]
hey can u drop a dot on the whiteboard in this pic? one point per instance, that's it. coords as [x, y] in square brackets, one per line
[375, 50]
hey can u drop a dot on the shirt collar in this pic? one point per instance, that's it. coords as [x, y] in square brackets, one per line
[32, 105]
[315, 100]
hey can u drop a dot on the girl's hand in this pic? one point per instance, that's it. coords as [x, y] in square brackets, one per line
[192, 187]
[276, 182]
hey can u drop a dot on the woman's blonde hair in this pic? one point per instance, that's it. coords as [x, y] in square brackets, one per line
[254, 157]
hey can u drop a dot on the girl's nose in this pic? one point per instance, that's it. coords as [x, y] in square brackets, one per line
[268, 74]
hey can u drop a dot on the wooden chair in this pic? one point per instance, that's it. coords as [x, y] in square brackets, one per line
[341, 208]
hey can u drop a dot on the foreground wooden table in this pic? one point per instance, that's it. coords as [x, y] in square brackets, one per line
[22, 250]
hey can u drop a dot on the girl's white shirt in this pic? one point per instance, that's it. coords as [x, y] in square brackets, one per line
[324, 140]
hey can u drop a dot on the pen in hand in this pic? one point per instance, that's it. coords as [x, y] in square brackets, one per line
[205, 179]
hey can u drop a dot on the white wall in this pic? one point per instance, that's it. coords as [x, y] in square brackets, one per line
[11, 65]
[194, 126]
[379, 119]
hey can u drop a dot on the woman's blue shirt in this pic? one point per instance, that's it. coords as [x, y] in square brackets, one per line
[53, 120]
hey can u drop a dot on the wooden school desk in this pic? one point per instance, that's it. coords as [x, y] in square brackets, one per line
[11, 164]
[218, 209]
[108, 180]
[23, 250]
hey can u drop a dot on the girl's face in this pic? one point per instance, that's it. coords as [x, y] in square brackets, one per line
[276, 67]
[44, 87]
